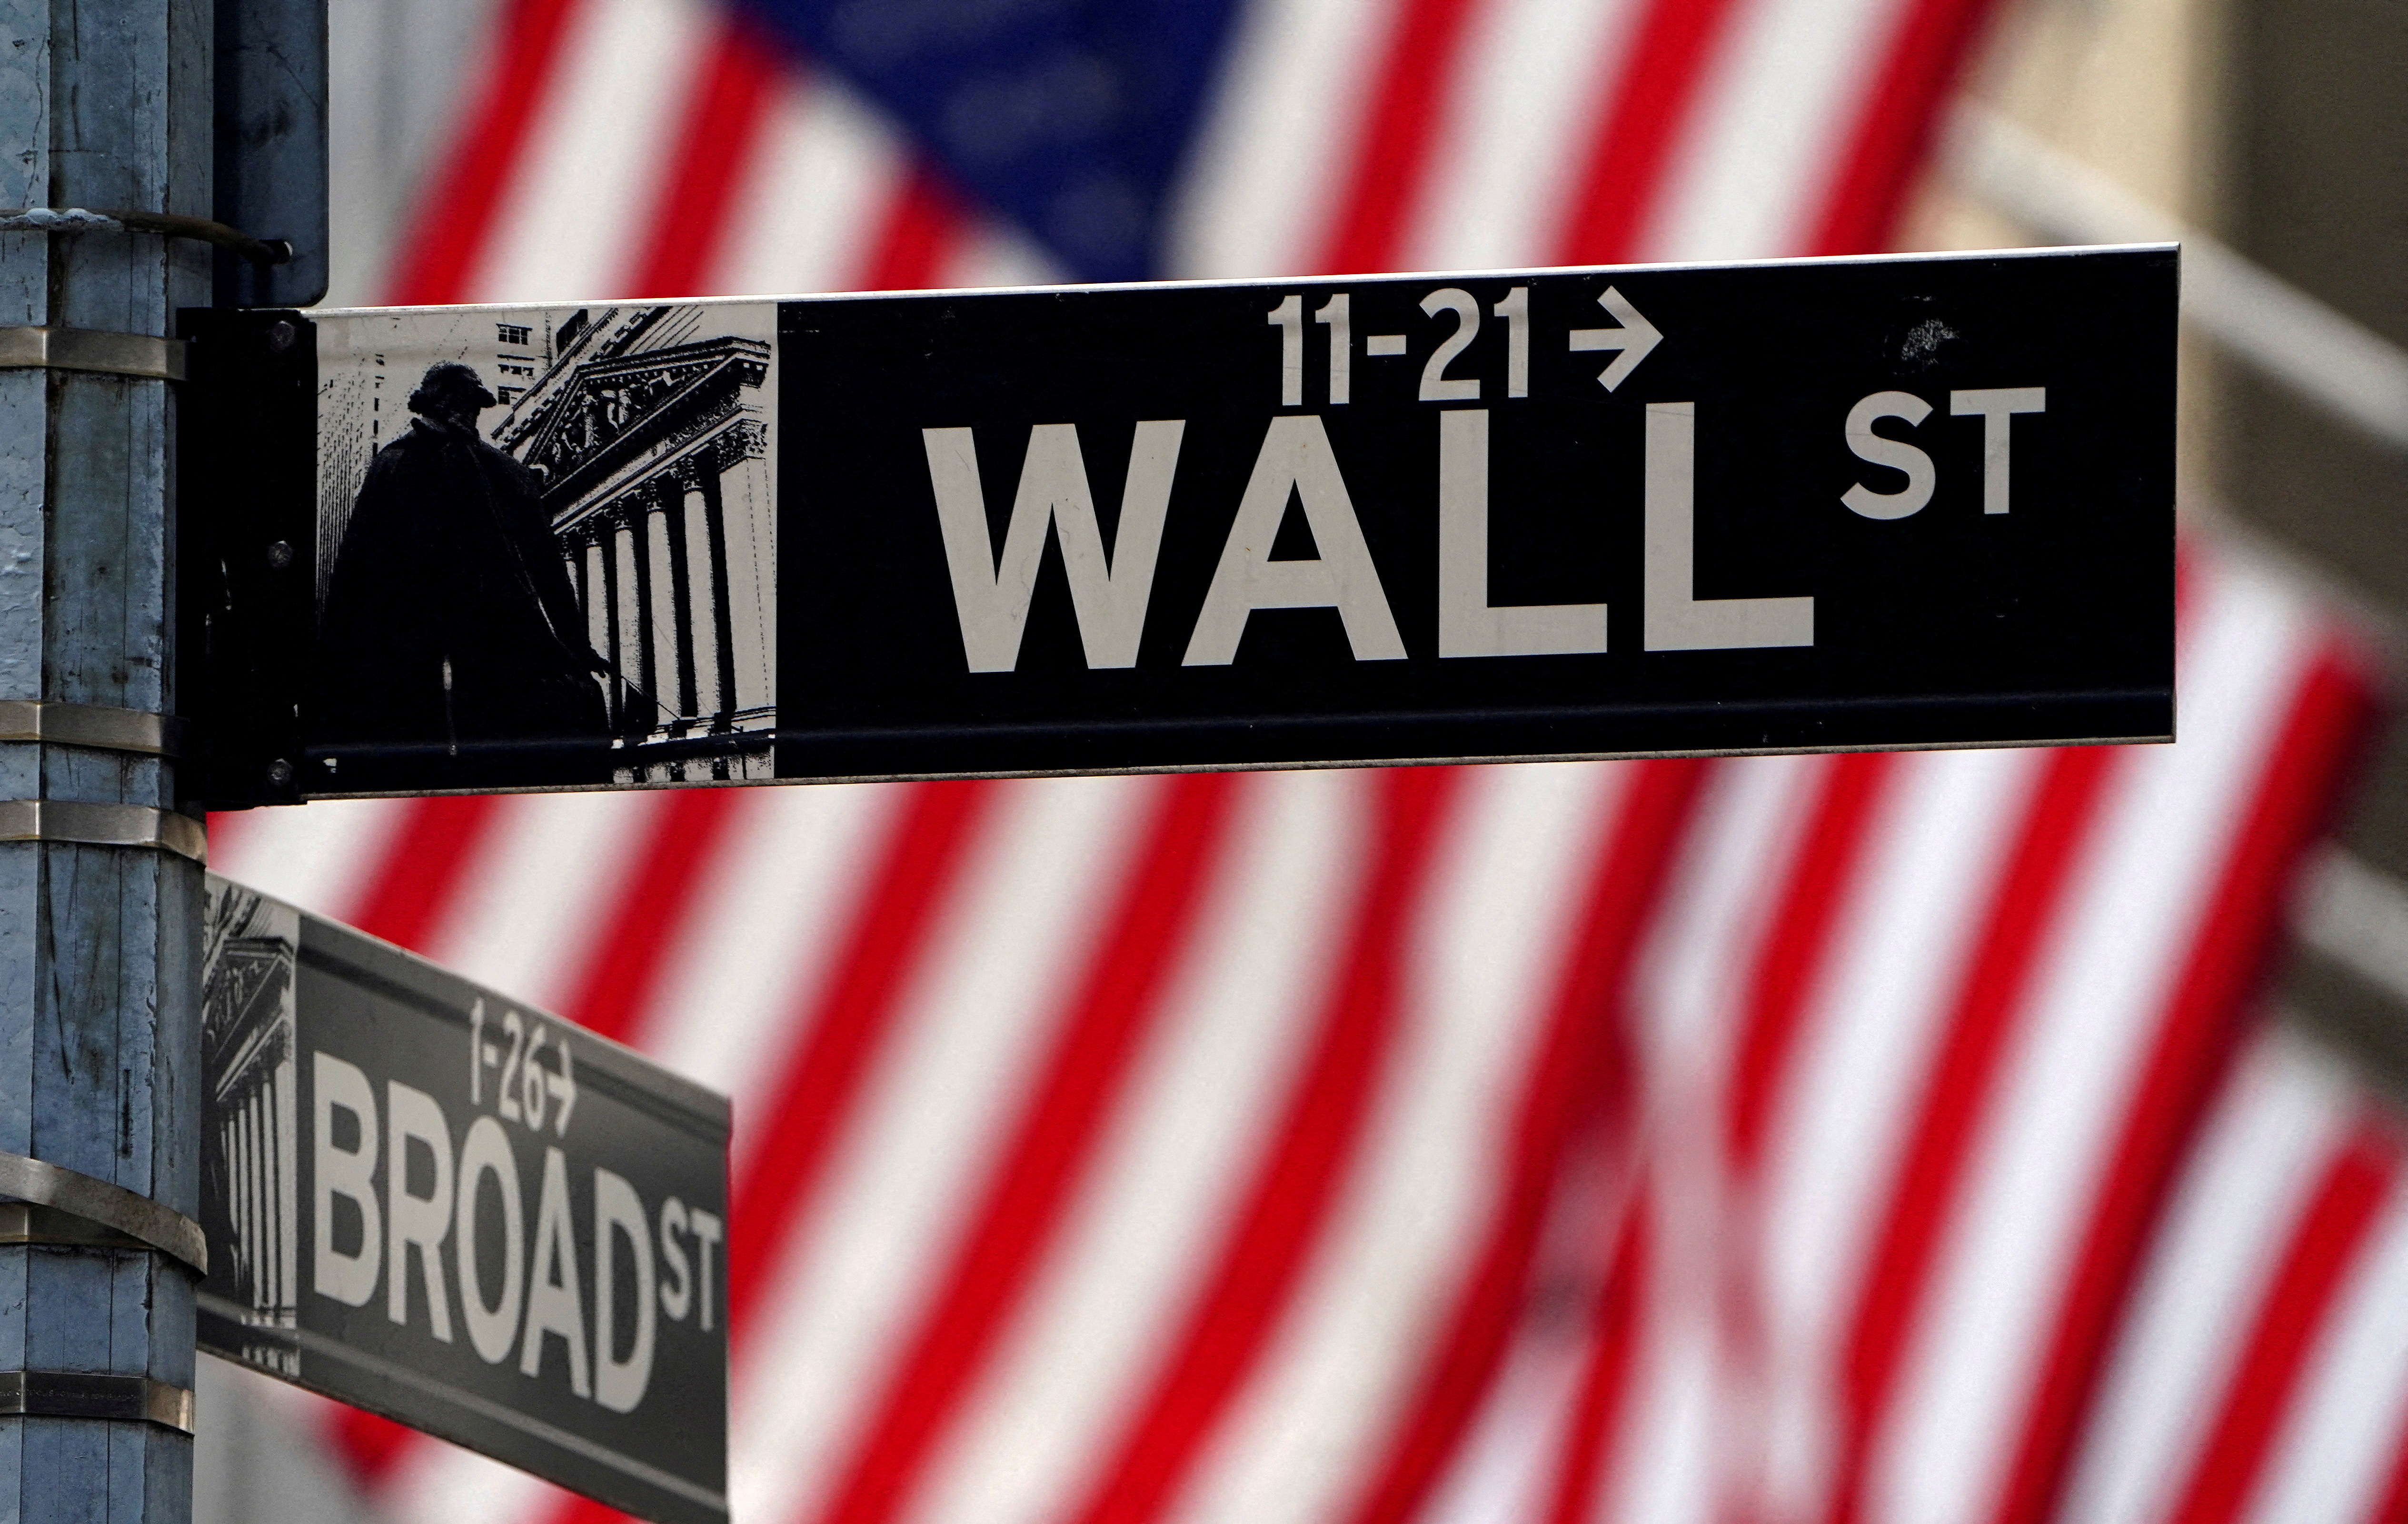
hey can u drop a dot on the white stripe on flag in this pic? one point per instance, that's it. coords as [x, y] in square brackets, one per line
[1921, 900]
[1519, 125]
[1488, 933]
[998, 254]
[322, 857]
[819, 187]
[850, 1279]
[1092, 1326]
[434, 1483]
[548, 873]
[1265, 172]
[2124, 933]
[766, 920]
[589, 181]
[2285, 1109]
[2339, 1441]
[1770, 128]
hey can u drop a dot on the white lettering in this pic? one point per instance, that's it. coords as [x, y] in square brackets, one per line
[1110, 597]
[1288, 317]
[677, 1286]
[706, 1231]
[531, 1087]
[1436, 385]
[421, 1222]
[1895, 454]
[1998, 407]
[349, 1173]
[555, 1302]
[1468, 625]
[1676, 618]
[619, 1385]
[515, 1029]
[1296, 458]
[1636, 339]
[491, 1326]
[1515, 310]
[1334, 313]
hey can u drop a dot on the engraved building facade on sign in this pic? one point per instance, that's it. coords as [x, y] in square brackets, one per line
[651, 436]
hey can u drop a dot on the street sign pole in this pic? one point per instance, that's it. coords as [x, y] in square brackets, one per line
[101, 107]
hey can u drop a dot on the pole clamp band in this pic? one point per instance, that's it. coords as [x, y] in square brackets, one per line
[47, 1227]
[150, 1223]
[97, 726]
[104, 826]
[144, 355]
[91, 1394]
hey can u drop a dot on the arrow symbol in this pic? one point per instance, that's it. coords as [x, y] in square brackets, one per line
[1635, 338]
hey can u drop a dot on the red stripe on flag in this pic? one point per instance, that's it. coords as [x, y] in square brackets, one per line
[1974, 1044]
[2304, 782]
[724, 118]
[424, 866]
[1605, 1382]
[1394, 147]
[2393, 1506]
[1893, 135]
[2323, 1247]
[924, 225]
[660, 895]
[1566, 1083]
[1651, 91]
[1287, 1203]
[1039, 1170]
[226, 829]
[370, 1445]
[455, 215]
[1821, 878]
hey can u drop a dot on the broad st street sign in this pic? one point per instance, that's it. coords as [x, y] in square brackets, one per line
[1899, 502]
[430, 1200]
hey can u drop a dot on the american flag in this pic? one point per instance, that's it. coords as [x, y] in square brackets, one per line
[1816, 1140]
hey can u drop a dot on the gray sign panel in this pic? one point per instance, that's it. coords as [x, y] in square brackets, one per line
[431, 1200]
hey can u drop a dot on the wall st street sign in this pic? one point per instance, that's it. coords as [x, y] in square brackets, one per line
[1894, 502]
[425, 1199]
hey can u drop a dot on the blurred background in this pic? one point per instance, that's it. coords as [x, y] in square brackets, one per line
[2004, 1136]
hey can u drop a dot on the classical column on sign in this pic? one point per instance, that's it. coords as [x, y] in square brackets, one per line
[269, 1256]
[723, 637]
[237, 1169]
[285, 1204]
[630, 591]
[747, 513]
[678, 518]
[254, 1218]
[704, 591]
[643, 531]
[666, 596]
[597, 592]
[249, 1118]
[263, 1131]
[242, 1158]
[263, 1291]
[575, 562]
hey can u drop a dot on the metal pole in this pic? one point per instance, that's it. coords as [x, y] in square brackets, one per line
[103, 104]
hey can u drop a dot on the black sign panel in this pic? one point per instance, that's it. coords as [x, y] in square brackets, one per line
[1814, 504]
[427, 1199]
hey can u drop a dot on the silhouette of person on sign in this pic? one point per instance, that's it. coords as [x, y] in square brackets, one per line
[451, 651]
